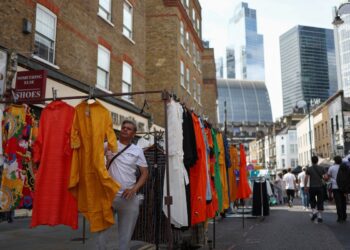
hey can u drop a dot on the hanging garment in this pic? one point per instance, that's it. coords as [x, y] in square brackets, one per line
[190, 152]
[244, 190]
[217, 180]
[178, 177]
[212, 206]
[198, 177]
[223, 172]
[260, 199]
[18, 173]
[89, 181]
[231, 173]
[53, 204]
[207, 162]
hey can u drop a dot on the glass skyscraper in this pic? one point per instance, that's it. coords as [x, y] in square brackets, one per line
[246, 101]
[342, 38]
[245, 52]
[308, 65]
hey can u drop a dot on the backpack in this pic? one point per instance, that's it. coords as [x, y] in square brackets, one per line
[343, 178]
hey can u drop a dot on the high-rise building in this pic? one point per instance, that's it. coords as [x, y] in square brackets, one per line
[219, 63]
[308, 65]
[341, 37]
[246, 46]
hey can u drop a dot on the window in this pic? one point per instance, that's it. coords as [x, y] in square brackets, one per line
[336, 123]
[127, 20]
[45, 33]
[104, 9]
[199, 90]
[188, 42]
[194, 53]
[332, 126]
[188, 82]
[194, 89]
[127, 80]
[282, 149]
[194, 17]
[293, 163]
[182, 73]
[182, 33]
[103, 62]
[291, 148]
[283, 163]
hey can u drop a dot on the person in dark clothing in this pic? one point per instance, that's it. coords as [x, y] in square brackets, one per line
[339, 195]
[314, 175]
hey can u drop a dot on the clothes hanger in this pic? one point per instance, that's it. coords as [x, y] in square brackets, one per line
[91, 99]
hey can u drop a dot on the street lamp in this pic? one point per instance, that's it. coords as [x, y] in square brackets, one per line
[342, 9]
[303, 104]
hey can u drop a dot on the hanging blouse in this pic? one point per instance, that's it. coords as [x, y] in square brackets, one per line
[178, 177]
[53, 204]
[89, 181]
[18, 174]
[231, 173]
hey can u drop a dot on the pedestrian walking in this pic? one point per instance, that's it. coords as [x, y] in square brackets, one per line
[338, 194]
[314, 176]
[304, 195]
[290, 182]
[123, 167]
[279, 188]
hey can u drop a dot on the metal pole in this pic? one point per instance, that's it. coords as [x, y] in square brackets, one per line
[225, 117]
[168, 199]
[310, 139]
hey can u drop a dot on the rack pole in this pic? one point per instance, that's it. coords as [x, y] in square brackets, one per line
[168, 199]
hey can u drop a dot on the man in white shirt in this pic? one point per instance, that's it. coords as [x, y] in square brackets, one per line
[304, 195]
[123, 170]
[290, 182]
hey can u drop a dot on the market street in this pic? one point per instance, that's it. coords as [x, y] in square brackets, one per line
[284, 228]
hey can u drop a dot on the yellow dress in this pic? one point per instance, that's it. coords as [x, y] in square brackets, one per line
[223, 174]
[231, 174]
[89, 181]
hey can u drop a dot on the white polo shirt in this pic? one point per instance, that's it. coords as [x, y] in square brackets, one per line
[123, 168]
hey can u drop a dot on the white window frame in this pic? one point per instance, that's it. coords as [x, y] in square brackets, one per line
[105, 13]
[182, 34]
[199, 92]
[182, 73]
[188, 80]
[126, 86]
[45, 39]
[128, 9]
[101, 69]
[194, 86]
[188, 42]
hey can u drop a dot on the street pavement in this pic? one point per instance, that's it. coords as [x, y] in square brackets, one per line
[284, 228]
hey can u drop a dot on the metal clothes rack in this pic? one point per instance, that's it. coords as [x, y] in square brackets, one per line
[165, 96]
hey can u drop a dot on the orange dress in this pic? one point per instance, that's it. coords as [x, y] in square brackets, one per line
[90, 182]
[231, 173]
[244, 190]
[53, 204]
[198, 178]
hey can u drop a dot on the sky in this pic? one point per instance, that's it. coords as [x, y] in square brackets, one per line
[274, 17]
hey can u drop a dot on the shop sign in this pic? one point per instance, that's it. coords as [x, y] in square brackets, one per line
[3, 63]
[31, 85]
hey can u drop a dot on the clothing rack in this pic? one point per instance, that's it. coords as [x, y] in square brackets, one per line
[165, 96]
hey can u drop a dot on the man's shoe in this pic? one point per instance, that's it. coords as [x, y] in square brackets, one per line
[319, 220]
[313, 217]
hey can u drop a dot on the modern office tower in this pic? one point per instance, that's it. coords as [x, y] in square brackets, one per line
[219, 63]
[308, 65]
[230, 62]
[246, 101]
[342, 46]
[247, 46]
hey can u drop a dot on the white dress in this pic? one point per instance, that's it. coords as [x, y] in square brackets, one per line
[177, 173]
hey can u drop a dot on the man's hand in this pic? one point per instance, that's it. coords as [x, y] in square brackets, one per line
[128, 193]
[306, 189]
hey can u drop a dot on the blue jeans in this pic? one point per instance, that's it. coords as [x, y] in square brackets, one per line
[304, 197]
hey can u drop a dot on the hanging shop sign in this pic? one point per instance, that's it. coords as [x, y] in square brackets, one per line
[3, 63]
[30, 85]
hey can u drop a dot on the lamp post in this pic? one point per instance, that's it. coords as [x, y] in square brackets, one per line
[344, 8]
[303, 104]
